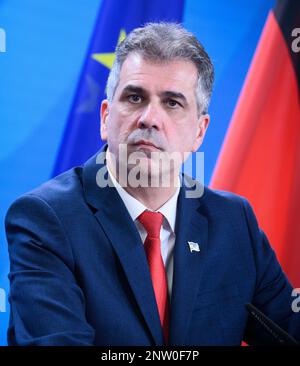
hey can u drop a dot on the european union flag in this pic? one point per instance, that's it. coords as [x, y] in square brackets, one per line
[116, 19]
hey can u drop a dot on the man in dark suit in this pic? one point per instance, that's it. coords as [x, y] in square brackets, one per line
[109, 254]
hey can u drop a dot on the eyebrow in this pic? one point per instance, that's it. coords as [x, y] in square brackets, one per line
[134, 89]
[176, 95]
[166, 94]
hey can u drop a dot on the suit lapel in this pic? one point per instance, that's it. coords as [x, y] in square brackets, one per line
[115, 220]
[191, 225]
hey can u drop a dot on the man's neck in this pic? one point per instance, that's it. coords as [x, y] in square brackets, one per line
[152, 197]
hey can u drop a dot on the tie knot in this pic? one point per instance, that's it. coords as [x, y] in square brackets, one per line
[152, 222]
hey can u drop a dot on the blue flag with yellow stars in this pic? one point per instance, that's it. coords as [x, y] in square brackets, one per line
[116, 19]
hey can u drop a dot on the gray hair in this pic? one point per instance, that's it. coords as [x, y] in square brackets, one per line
[163, 42]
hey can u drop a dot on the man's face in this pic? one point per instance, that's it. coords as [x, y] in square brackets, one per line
[154, 103]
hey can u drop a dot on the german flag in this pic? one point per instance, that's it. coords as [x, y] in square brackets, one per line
[260, 157]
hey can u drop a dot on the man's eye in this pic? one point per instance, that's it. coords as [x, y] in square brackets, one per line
[134, 98]
[172, 103]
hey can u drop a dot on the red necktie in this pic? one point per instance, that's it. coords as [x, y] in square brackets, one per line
[152, 222]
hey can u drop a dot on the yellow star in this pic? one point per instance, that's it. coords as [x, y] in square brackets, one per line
[107, 59]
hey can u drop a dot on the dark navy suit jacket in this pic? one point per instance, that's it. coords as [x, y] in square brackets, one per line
[79, 275]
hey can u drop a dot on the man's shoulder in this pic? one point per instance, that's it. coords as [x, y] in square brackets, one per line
[209, 196]
[226, 204]
[58, 191]
[223, 197]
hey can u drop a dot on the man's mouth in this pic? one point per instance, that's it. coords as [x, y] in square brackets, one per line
[146, 145]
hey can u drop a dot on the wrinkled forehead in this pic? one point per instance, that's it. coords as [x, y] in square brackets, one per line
[176, 73]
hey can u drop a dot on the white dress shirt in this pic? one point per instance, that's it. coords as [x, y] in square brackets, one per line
[167, 232]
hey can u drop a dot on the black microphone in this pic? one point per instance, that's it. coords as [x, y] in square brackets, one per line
[281, 336]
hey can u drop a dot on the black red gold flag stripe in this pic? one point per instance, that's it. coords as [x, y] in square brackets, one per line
[260, 157]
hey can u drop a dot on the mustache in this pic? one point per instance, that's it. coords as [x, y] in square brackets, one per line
[148, 135]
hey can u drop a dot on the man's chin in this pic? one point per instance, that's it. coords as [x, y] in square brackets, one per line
[146, 168]
[146, 174]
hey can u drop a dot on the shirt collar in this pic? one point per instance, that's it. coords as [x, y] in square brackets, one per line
[135, 207]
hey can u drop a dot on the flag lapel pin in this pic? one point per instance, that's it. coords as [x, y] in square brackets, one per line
[194, 247]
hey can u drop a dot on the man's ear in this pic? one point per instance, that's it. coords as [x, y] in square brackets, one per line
[203, 123]
[103, 116]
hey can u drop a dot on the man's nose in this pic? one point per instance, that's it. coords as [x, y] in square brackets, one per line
[151, 117]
